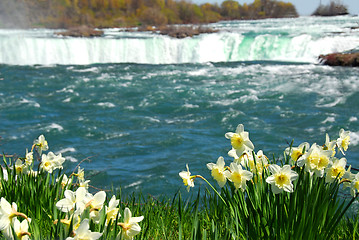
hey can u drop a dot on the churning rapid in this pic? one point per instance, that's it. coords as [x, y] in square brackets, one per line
[292, 40]
[140, 124]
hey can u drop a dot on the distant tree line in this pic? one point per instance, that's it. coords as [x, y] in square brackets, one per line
[121, 13]
[334, 8]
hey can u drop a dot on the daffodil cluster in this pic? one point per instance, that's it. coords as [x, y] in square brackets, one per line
[9, 223]
[80, 210]
[318, 161]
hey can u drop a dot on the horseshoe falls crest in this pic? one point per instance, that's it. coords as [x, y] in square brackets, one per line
[141, 105]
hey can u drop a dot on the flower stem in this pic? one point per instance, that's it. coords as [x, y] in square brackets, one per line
[219, 195]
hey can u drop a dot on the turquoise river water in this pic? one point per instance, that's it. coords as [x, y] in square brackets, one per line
[141, 106]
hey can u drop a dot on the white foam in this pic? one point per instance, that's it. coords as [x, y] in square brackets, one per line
[353, 119]
[71, 159]
[106, 104]
[69, 149]
[329, 119]
[54, 126]
[134, 184]
[354, 138]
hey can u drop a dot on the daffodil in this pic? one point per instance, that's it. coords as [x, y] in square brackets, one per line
[256, 163]
[21, 229]
[41, 144]
[112, 210]
[95, 202]
[72, 200]
[354, 185]
[296, 152]
[130, 227]
[188, 180]
[238, 176]
[7, 213]
[343, 141]
[240, 140]
[217, 171]
[330, 145]
[20, 167]
[316, 160]
[336, 170]
[83, 232]
[65, 181]
[29, 157]
[50, 162]
[281, 178]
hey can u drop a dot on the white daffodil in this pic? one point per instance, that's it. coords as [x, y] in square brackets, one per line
[80, 174]
[7, 213]
[50, 162]
[296, 152]
[240, 140]
[72, 200]
[188, 180]
[238, 176]
[112, 210]
[21, 229]
[330, 145]
[20, 167]
[65, 181]
[41, 144]
[130, 227]
[217, 171]
[354, 185]
[281, 178]
[95, 203]
[343, 141]
[258, 164]
[336, 170]
[29, 158]
[316, 160]
[83, 232]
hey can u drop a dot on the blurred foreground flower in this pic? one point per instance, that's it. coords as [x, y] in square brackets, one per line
[83, 232]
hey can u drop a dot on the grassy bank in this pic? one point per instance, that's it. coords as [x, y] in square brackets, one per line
[307, 194]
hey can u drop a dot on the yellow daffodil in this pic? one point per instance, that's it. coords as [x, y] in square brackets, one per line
[343, 141]
[240, 140]
[281, 178]
[316, 160]
[296, 152]
[83, 232]
[188, 180]
[130, 227]
[112, 210]
[238, 176]
[336, 170]
[41, 144]
[50, 162]
[217, 171]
